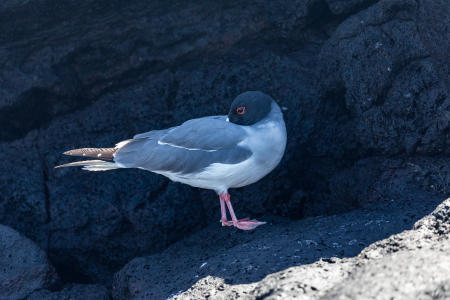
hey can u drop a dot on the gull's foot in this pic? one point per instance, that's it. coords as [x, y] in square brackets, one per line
[225, 222]
[246, 224]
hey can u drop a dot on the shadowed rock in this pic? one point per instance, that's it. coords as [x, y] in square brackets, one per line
[73, 292]
[414, 264]
[24, 267]
[309, 257]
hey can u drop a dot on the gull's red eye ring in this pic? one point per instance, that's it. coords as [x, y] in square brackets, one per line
[240, 110]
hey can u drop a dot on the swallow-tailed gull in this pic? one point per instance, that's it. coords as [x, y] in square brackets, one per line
[214, 152]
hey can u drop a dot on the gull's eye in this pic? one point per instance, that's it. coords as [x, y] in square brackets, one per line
[240, 110]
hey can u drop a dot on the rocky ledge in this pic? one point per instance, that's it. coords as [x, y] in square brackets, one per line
[396, 251]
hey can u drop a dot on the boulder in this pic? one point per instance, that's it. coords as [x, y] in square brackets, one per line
[338, 7]
[384, 85]
[73, 292]
[313, 257]
[24, 267]
[413, 264]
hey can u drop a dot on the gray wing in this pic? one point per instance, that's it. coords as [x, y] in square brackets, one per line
[208, 133]
[188, 148]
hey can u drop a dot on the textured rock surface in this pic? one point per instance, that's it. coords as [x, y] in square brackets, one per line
[347, 6]
[73, 292]
[365, 84]
[24, 267]
[376, 65]
[317, 258]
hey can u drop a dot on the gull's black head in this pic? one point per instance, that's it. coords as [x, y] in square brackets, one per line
[249, 108]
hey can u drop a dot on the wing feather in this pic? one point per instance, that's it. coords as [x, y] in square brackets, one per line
[208, 133]
[188, 148]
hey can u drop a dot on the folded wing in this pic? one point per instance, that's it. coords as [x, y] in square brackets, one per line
[185, 149]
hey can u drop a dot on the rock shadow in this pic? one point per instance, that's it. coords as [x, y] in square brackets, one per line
[246, 257]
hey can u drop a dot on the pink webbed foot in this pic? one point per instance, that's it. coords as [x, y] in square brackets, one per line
[226, 222]
[246, 224]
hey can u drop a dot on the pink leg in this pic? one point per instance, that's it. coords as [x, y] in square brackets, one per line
[244, 224]
[223, 211]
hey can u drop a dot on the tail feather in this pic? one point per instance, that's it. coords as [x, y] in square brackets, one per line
[92, 165]
[99, 153]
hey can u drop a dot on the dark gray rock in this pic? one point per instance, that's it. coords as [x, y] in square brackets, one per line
[226, 264]
[73, 292]
[413, 264]
[347, 6]
[11, 4]
[391, 96]
[24, 267]
[433, 22]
